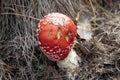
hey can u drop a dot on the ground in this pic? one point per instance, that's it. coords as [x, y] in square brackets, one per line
[20, 54]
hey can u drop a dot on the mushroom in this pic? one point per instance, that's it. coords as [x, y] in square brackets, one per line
[56, 35]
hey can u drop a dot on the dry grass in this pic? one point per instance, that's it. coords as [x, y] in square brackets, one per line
[21, 57]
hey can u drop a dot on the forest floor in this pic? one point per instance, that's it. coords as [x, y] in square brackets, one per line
[20, 54]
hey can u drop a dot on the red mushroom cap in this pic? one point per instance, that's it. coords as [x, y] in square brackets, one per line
[56, 34]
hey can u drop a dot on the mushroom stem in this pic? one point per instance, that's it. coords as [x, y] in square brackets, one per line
[70, 63]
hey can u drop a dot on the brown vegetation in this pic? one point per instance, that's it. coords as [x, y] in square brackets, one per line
[20, 54]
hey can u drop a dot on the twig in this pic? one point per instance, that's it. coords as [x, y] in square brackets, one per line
[93, 9]
[17, 14]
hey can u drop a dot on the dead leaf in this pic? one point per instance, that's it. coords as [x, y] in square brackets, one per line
[84, 30]
[83, 26]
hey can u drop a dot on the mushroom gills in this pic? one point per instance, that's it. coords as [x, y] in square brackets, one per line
[67, 36]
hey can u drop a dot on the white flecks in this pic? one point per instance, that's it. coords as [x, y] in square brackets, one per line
[44, 50]
[48, 53]
[39, 43]
[38, 25]
[59, 34]
[47, 47]
[44, 47]
[50, 50]
[69, 47]
[57, 18]
[37, 30]
[71, 44]
[55, 47]
[51, 56]
[67, 36]
[41, 48]
[61, 54]
[37, 34]
[56, 56]
[54, 52]
[63, 51]
[59, 50]
[44, 22]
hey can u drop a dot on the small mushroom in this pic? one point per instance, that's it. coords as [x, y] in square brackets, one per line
[56, 35]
